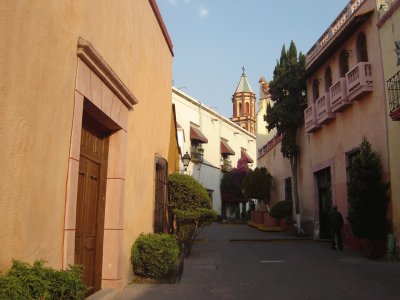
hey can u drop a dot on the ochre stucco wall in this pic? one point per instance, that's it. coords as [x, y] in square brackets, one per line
[37, 93]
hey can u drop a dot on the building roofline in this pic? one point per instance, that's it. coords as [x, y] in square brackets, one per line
[340, 21]
[386, 16]
[161, 23]
[209, 110]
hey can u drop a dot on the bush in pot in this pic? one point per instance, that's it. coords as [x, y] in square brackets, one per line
[281, 209]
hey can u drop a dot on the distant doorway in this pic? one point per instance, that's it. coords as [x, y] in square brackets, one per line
[91, 202]
[324, 188]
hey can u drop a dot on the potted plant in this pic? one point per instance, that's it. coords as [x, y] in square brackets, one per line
[280, 211]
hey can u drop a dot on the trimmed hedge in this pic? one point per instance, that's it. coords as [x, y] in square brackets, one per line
[186, 193]
[207, 215]
[155, 255]
[27, 282]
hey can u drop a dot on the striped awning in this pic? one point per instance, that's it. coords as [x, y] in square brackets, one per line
[226, 149]
[197, 135]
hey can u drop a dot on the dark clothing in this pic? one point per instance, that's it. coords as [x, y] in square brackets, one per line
[335, 220]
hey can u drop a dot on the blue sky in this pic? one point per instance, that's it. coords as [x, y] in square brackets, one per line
[213, 39]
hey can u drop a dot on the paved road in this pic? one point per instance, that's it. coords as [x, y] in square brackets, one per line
[271, 266]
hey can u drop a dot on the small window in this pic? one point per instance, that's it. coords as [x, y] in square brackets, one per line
[344, 63]
[247, 107]
[161, 201]
[362, 52]
[328, 79]
[315, 89]
[240, 109]
[288, 189]
[350, 156]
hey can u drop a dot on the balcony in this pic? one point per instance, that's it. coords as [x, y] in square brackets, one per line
[197, 154]
[393, 87]
[338, 95]
[359, 81]
[324, 111]
[226, 165]
[310, 119]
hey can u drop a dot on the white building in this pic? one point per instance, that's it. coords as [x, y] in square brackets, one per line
[214, 143]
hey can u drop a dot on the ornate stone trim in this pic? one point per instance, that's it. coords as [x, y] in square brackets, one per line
[99, 66]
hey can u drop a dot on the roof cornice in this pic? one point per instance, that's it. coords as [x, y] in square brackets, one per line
[386, 16]
[98, 65]
[161, 23]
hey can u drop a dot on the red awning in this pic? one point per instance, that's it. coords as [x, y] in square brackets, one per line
[197, 135]
[226, 149]
[247, 157]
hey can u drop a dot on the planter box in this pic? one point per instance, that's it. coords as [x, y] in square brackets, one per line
[258, 217]
[253, 216]
[281, 222]
[268, 220]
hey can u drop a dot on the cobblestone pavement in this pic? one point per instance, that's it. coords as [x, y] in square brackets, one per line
[264, 265]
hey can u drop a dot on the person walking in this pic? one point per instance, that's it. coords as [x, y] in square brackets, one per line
[335, 220]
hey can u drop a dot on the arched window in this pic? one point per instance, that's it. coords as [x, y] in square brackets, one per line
[362, 52]
[344, 63]
[240, 109]
[247, 107]
[315, 88]
[328, 79]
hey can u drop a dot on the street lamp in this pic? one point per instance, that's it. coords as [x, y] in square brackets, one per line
[186, 160]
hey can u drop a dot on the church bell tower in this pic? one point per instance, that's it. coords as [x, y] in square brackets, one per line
[243, 101]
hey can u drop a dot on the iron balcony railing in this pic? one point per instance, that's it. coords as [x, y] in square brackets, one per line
[393, 87]
[197, 154]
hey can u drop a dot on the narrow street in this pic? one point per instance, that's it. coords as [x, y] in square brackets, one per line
[240, 262]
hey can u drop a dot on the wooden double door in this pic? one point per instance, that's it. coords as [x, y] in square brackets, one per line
[91, 202]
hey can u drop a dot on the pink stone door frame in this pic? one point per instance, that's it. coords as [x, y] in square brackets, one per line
[329, 163]
[97, 83]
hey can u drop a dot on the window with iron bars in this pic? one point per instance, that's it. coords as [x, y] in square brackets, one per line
[393, 86]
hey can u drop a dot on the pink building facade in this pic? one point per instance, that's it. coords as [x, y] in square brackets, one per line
[345, 102]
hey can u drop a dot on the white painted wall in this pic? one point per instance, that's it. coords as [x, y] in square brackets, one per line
[214, 126]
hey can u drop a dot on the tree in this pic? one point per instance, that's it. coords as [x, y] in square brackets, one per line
[231, 186]
[367, 196]
[257, 184]
[288, 92]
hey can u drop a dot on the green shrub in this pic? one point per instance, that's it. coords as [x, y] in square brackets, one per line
[186, 193]
[187, 216]
[155, 255]
[24, 281]
[185, 234]
[281, 209]
[207, 215]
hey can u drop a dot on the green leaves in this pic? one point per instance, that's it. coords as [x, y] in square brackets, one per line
[288, 91]
[155, 255]
[24, 281]
[281, 209]
[186, 193]
[257, 184]
[367, 195]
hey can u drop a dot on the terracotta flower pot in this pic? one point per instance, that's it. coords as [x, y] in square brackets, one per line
[259, 217]
[253, 216]
[281, 222]
[268, 220]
